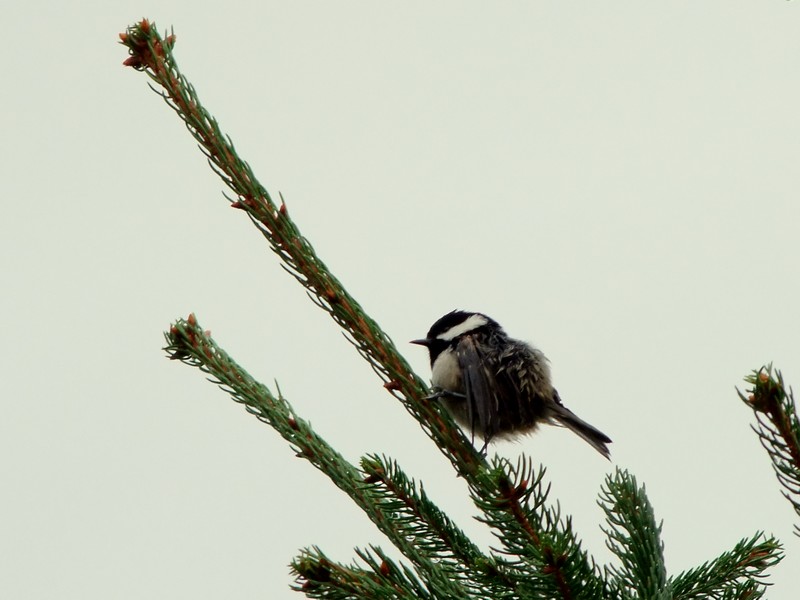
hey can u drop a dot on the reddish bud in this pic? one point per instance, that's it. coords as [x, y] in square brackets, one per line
[384, 568]
[173, 330]
[169, 41]
[207, 333]
[144, 25]
[192, 320]
[392, 385]
[763, 377]
[293, 423]
[132, 61]
[237, 204]
[123, 37]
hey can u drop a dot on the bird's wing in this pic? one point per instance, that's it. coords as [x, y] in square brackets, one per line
[479, 386]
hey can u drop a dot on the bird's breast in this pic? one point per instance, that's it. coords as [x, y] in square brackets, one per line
[446, 373]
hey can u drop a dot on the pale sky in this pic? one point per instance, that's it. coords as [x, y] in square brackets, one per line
[615, 184]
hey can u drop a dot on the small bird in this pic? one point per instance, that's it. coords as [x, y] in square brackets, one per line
[494, 385]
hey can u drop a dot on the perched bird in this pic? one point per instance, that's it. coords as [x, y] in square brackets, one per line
[494, 385]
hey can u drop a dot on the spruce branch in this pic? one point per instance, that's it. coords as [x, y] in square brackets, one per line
[320, 577]
[547, 560]
[419, 519]
[737, 573]
[778, 428]
[747, 590]
[634, 538]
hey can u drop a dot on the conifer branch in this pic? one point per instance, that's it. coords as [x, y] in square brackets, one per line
[548, 561]
[747, 590]
[739, 572]
[418, 518]
[634, 538]
[319, 577]
[778, 428]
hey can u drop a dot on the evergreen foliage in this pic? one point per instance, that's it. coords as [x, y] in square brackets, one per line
[778, 429]
[539, 553]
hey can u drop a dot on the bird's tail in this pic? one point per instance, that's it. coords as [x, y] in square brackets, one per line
[573, 422]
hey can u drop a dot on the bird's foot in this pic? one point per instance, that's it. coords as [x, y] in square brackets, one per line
[438, 395]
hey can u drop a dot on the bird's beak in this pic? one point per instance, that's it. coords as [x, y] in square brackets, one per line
[422, 342]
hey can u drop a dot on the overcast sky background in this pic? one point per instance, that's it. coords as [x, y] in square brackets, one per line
[617, 185]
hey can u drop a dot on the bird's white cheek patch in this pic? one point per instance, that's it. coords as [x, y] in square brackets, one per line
[473, 322]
